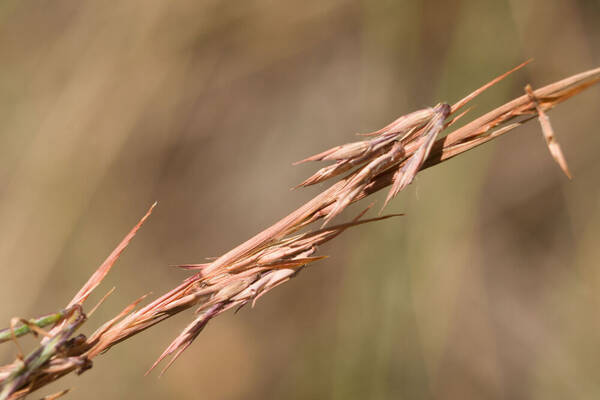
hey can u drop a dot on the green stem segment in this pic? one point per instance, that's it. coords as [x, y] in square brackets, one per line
[23, 329]
[24, 369]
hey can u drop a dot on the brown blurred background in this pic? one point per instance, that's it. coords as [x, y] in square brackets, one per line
[488, 288]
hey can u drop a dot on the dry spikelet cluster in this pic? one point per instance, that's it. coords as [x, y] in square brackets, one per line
[391, 156]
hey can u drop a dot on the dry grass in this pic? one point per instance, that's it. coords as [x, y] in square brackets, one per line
[391, 156]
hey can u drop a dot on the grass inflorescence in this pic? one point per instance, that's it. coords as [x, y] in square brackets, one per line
[389, 157]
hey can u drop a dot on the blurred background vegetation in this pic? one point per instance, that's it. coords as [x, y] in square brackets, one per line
[488, 288]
